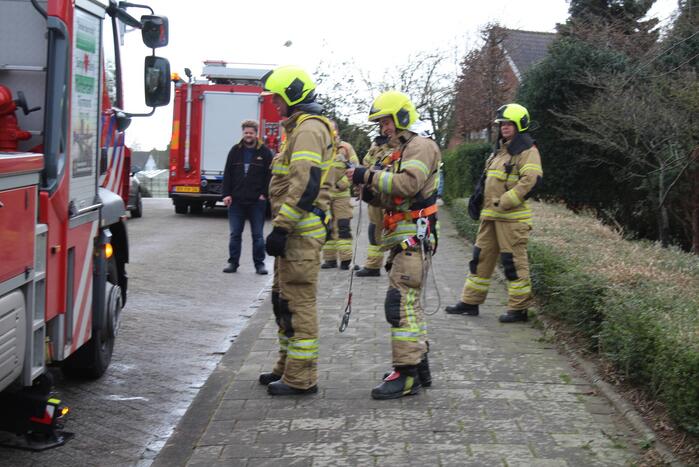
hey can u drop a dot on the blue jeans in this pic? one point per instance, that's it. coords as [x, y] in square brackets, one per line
[237, 215]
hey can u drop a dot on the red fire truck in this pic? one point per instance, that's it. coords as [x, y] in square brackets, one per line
[64, 175]
[206, 124]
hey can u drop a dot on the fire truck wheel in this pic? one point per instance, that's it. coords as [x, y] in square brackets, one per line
[93, 358]
[196, 208]
[137, 211]
[181, 207]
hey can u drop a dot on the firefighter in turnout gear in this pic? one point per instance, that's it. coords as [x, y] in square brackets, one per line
[340, 242]
[512, 173]
[299, 194]
[379, 157]
[408, 192]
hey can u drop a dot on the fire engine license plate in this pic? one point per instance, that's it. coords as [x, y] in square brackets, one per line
[187, 189]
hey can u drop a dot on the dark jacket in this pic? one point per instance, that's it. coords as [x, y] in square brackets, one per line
[247, 188]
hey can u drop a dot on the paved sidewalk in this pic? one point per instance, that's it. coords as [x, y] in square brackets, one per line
[501, 395]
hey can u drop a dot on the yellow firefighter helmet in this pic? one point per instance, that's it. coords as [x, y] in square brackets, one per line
[290, 82]
[394, 104]
[514, 113]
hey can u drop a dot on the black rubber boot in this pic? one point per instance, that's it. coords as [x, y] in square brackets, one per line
[328, 265]
[266, 378]
[403, 381]
[423, 372]
[279, 388]
[345, 264]
[513, 316]
[367, 272]
[462, 308]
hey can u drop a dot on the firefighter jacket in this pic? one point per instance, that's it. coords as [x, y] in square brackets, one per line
[345, 154]
[408, 184]
[512, 173]
[379, 156]
[246, 188]
[300, 184]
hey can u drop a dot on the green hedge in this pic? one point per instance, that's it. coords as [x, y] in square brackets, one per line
[648, 330]
[462, 167]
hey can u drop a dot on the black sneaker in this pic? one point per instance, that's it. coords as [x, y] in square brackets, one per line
[328, 265]
[462, 308]
[230, 268]
[261, 270]
[367, 272]
[345, 264]
[513, 316]
[278, 388]
[266, 378]
[397, 384]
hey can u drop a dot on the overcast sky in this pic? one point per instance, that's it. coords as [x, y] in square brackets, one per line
[375, 35]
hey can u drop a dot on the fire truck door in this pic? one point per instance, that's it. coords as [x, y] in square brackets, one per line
[85, 110]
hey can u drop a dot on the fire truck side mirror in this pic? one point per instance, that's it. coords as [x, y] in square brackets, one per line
[154, 30]
[157, 81]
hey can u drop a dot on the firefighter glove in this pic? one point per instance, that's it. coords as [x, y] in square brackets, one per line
[276, 242]
[358, 176]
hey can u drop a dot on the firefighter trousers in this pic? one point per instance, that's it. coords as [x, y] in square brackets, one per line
[507, 241]
[403, 309]
[297, 315]
[281, 332]
[374, 259]
[340, 242]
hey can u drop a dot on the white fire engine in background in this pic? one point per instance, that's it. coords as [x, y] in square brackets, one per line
[64, 175]
[206, 124]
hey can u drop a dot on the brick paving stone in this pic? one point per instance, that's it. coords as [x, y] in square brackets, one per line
[501, 394]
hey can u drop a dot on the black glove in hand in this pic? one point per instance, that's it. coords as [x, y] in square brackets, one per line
[275, 245]
[358, 175]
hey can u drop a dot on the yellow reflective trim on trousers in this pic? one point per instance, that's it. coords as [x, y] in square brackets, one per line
[421, 166]
[283, 341]
[303, 349]
[385, 182]
[423, 328]
[290, 212]
[478, 283]
[307, 156]
[519, 287]
[374, 250]
[405, 334]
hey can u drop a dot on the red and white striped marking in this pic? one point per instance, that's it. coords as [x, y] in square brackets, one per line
[82, 305]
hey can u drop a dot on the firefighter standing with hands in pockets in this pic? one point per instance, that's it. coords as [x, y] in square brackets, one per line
[408, 192]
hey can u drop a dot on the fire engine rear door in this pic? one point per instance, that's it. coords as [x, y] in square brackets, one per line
[223, 114]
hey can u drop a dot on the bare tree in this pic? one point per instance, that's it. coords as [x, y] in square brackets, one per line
[639, 130]
[484, 84]
[427, 78]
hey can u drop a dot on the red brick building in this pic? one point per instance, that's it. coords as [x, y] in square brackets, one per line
[491, 76]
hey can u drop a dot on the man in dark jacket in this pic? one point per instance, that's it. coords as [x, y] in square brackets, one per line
[245, 182]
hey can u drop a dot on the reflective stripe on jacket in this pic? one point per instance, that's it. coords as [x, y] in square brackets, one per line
[509, 181]
[412, 178]
[300, 177]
